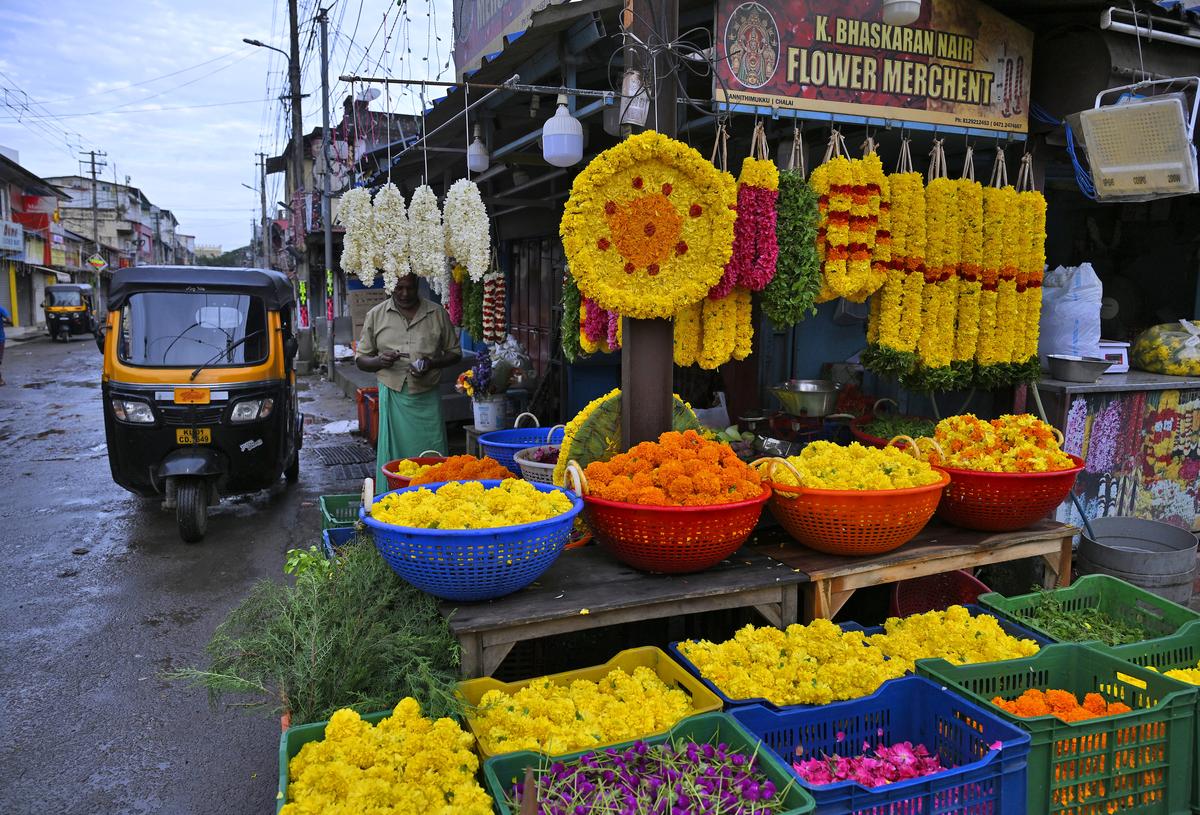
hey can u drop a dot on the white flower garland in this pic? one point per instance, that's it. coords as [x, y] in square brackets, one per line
[356, 214]
[468, 231]
[391, 235]
[425, 241]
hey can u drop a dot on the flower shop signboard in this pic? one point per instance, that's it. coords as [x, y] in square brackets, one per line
[480, 27]
[960, 66]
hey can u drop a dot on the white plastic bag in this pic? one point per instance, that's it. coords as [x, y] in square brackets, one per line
[1070, 321]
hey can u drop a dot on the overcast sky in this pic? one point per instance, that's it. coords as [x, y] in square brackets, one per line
[168, 90]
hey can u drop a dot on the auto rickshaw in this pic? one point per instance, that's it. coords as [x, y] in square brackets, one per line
[199, 386]
[69, 309]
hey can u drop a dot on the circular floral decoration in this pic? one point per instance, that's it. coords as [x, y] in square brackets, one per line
[648, 228]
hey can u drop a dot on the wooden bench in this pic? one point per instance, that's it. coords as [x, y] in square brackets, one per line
[938, 548]
[587, 588]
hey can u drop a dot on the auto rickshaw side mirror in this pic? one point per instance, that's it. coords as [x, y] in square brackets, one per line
[101, 330]
[291, 346]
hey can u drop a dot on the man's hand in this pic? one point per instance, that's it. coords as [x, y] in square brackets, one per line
[420, 366]
[388, 358]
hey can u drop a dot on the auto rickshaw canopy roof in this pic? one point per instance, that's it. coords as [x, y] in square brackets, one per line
[273, 287]
[82, 288]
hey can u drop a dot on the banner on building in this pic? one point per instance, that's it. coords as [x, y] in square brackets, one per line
[961, 65]
[12, 238]
[480, 27]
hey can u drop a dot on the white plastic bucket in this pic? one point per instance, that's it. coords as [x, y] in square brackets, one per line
[490, 413]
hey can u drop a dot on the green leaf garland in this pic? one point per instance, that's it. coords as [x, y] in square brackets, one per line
[570, 319]
[788, 298]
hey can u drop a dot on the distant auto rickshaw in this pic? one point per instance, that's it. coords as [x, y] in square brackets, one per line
[69, 308]
[199, 386]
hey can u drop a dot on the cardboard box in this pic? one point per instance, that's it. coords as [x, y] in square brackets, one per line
[361, 301]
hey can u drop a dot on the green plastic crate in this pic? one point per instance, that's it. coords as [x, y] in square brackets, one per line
[338, 511]
[1181, 650]
[1099, 591]
[1143, 759]
[296, 737]
[501, 772]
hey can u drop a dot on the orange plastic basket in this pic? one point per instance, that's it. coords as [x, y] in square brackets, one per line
[1003, 502]
[398, 482]
[855, 522]
[673, 540]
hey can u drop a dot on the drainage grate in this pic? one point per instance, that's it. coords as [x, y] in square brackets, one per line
[354, 473]
[334, 454]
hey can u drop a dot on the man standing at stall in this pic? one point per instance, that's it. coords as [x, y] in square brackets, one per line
[406, 341]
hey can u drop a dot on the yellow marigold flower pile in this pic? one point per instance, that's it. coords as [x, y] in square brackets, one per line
[810, 664]
[953, 634]
[408, 468]
[406, 763]
[557, 719]
[680, 469]
[1010, 444]
[825, 465]
[1189, 675]
[470, 505]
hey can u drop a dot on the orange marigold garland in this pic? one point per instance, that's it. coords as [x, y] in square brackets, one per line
[680, 469]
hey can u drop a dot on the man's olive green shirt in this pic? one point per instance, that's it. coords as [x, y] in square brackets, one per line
[429, 334]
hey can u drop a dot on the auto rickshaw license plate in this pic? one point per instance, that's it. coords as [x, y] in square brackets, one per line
[202, 435]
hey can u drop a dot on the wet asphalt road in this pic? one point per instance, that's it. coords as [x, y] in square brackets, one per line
[98, 596]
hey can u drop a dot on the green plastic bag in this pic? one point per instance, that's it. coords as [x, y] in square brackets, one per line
[1170, 348]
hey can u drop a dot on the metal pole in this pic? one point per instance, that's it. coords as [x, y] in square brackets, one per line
[646, 348]
[95, 211]
[326, 220]
[297, 139]
[262, 191]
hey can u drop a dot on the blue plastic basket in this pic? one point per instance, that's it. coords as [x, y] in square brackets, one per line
[1011, 628]
[474, 564]
[960, 733]
[502, 445]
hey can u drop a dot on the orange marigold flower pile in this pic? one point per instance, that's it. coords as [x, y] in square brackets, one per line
[1061, 704]
[462, 468]
[680, 469]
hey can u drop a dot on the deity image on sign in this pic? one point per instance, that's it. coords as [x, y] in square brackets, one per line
[752, 44]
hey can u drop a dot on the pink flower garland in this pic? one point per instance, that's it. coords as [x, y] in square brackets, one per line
[614, 324]
[755, 247]
[454, 304]
[595, 322]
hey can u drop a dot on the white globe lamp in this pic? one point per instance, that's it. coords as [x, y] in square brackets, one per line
[562, 137]
[901, 12]
[477, 154]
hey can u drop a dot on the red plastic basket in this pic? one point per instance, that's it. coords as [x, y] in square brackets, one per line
[863, 437]
[1003, 502]
[674, 540]
[935, 592]
[399, 482]
[855, 522]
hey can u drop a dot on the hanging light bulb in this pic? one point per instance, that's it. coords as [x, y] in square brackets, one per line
[901, 12]
[635, 103]
[562, 137]
[477, 154]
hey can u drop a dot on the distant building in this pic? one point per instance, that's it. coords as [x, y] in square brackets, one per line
[209, 250]
[32, 241]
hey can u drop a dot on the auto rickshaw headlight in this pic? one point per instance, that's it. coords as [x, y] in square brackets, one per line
[249, 410]
[133, 411]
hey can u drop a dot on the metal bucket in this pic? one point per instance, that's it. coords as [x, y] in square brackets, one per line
[1156, 556]
[807, 397]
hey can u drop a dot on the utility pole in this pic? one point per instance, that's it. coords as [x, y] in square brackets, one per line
[646, 347]
[331, 313]
[297, 139]
[156, 241]
[92, 154]
[262, 190]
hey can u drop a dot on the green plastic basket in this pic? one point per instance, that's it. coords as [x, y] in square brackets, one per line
[1139, 761]
[502, 772]
[296, 737]
[1181, 650]
[338, 511]
[1099, 591]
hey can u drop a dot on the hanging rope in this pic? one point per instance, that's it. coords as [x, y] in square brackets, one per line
[836, 146]
[937, 160]
[387, 106]
[424, 151]
[999, 169]
[904, 160]
[796, 159]
[758, 143]
[1025, 174]
[721, 148]
[968, 170]
[467, 123]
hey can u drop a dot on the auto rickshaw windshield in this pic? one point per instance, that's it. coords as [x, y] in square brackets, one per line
[59, 298]
[183, 329]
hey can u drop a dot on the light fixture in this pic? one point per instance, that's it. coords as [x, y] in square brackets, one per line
[901, 12]
[635, 103]
[562, 137]
[477, 154]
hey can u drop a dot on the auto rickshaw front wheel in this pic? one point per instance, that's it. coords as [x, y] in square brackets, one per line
[292, 471]
[191, 509]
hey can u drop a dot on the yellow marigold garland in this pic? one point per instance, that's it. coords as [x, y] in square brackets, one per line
[743, 340]
[687, 335]
[836, 190]
[995, 229]
[1034, 262]
[935, 347]
[648, 228]
[1006, 287]
[913, 203]
[970, 285]
[718, 330]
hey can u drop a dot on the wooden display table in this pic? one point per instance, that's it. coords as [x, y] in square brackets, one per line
[612, 593]
[936, 549]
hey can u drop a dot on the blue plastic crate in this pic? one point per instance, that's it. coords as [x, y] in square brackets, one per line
[333, 539]
[1011, 628]
[960, 733]
[474, 564]
[502, 445]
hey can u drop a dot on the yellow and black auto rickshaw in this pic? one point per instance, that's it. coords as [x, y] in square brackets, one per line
[69, 309]
[199, 387]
